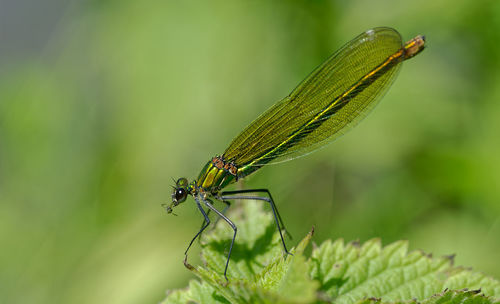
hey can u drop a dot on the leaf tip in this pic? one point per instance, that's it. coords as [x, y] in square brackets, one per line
[450, 258]
[355, 243]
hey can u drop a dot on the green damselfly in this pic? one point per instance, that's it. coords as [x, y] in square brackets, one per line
[331, 100]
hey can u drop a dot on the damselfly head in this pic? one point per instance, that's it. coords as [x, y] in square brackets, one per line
[179, 194]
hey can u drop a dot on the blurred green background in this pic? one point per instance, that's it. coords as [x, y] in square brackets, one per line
[102, 103]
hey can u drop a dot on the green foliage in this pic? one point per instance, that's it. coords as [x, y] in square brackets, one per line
[259, 272]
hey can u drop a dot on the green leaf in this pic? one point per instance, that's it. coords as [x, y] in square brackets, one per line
[260, 272]
[348, 273]
[196, 292]
[446, 297]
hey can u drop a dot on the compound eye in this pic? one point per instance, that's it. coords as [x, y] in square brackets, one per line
[180, 195]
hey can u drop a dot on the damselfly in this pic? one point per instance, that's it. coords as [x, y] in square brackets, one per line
[331, 100]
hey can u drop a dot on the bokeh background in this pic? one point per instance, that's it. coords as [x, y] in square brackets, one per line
[102, 103]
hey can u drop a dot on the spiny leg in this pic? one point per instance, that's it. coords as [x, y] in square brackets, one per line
[271, 202]
[209, 203]
[206, 223]
[259, 198]
[203, 223]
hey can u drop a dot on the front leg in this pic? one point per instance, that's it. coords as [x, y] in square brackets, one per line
[205, 225]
